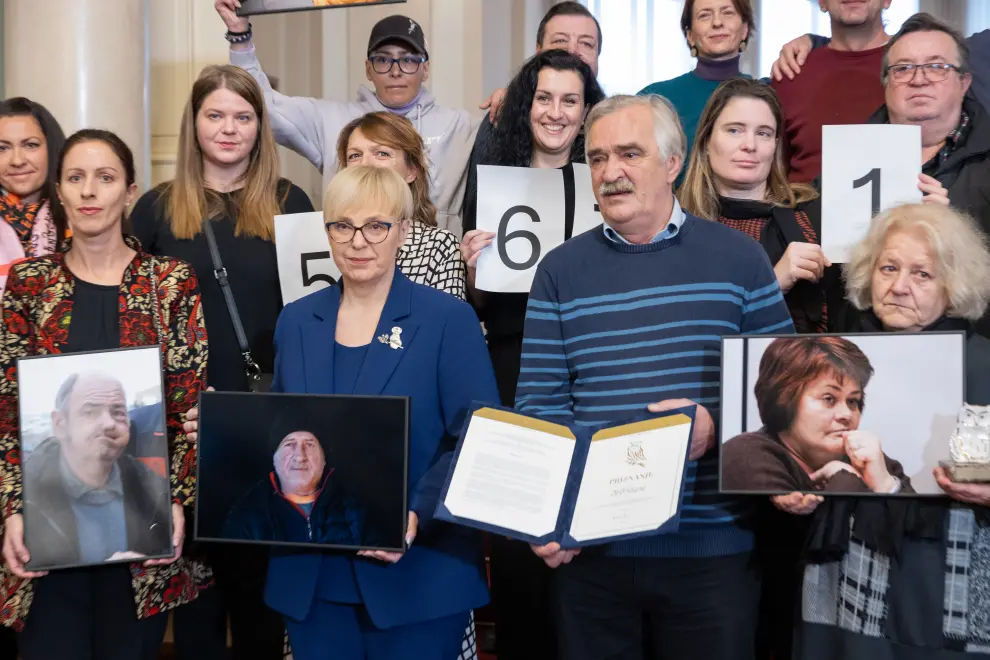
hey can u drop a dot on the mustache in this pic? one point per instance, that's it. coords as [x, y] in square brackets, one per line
[615, 187]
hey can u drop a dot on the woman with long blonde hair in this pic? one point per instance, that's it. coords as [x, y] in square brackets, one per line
[227, 183]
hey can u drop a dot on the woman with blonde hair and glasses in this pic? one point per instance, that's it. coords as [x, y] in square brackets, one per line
[227, 188]
[377, 333]
[430, 255]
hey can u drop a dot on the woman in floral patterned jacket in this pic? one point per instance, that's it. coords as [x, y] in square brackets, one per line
[101, 292]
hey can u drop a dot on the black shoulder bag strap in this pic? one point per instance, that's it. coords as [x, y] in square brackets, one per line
[251, 368]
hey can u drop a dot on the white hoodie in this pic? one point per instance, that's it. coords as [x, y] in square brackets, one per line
[310, 127]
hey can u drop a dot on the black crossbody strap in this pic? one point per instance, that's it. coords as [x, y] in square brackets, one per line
[251, 368]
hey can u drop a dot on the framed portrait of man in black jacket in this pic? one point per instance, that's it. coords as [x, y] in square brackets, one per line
[314, 470]
[94, 458]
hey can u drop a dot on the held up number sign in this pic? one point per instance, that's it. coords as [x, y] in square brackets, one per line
[303, 252]
[531, 211]
[865, 170]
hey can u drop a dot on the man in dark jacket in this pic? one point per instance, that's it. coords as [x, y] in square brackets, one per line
[926, 83]
[86, 500]
[297, 501]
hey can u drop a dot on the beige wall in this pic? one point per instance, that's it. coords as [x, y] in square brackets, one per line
[185, 36]
[63, 56]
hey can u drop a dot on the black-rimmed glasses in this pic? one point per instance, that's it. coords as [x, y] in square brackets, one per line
[375, 231]
[932, 71]
[407, 63]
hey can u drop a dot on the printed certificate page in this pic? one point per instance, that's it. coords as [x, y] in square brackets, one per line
[632, 480]
[511, 472]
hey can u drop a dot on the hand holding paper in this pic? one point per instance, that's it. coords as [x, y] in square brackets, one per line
[553, 555]
[866, 169]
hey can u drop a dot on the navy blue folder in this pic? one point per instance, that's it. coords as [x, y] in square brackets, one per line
[582, 437]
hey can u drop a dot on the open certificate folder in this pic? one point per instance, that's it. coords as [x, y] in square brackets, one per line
[540, 482]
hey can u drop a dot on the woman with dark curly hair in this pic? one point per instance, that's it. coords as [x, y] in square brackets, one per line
[540, 124]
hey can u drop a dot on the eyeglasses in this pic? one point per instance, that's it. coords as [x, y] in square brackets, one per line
[932, 71]
[407, 64]
[375, 231]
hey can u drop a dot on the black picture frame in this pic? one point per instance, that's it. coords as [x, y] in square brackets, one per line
[731, 374]
[105, 362]
[375, 479]
[262, 7]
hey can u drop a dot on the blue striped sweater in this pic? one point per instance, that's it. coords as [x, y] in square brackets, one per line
[612, 327]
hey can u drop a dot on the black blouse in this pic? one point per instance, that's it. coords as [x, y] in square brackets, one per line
[95, 324]
[252, 270]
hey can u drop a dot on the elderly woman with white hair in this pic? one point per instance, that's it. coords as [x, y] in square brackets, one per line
[377, 333]
[906, 578]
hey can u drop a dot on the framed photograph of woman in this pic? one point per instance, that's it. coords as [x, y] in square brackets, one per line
[253, 7]
[306, 470]
[94, 450]
[864, 414]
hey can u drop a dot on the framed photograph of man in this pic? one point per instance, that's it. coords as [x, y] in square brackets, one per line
[326, 471]
[253, 7]
[867, 414]
[94, 453]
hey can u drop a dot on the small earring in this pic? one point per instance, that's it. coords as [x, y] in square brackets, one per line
[742, 47]
[694, 51]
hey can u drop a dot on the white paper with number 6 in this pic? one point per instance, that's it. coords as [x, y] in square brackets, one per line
[865, 169]
[524, 207]
[303, 251]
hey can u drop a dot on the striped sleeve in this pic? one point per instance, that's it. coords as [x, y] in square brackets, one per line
[764, 310]
[544, 386]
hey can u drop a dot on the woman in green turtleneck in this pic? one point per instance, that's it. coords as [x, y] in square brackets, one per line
[717, 32]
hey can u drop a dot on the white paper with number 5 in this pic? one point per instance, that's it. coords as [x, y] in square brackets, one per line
[303, 252]
[863, 166]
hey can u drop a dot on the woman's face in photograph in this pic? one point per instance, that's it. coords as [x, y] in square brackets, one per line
[828, 407]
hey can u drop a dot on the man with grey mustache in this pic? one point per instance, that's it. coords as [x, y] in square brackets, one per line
[625, 320]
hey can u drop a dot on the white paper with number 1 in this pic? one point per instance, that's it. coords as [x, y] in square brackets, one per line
[303, 252]
[524, 207]
[865, 169]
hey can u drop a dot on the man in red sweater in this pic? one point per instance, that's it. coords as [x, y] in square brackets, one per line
[839, 84]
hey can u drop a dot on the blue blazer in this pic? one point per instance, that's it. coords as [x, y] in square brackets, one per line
[443, 366]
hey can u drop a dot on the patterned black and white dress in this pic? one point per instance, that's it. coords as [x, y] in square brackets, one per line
[432, 257]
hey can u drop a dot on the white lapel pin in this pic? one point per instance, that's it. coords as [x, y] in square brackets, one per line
[395, 340]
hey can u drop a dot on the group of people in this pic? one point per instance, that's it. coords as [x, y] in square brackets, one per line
[708, 188]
